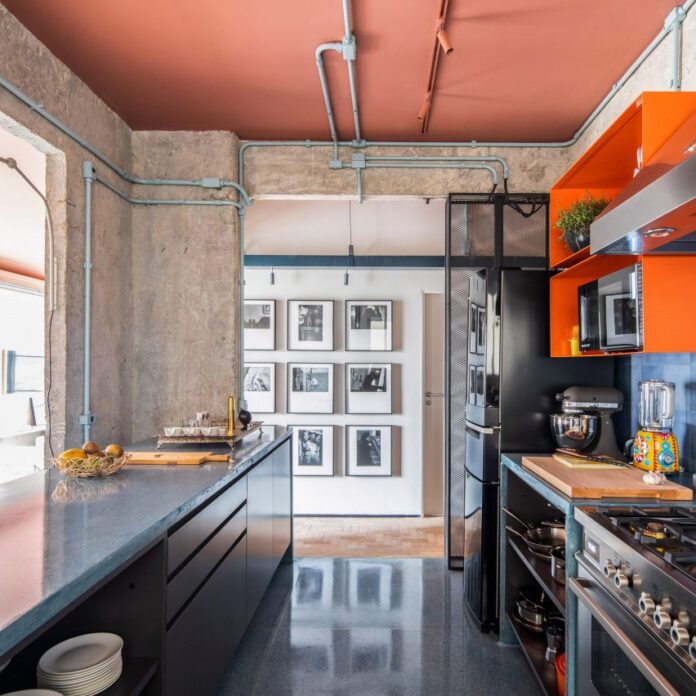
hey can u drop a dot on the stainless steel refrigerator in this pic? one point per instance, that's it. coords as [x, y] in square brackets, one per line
[511, 389]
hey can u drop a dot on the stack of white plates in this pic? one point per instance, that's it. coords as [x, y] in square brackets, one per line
[82, 666]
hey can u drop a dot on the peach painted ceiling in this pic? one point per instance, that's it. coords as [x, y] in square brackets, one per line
[521, 70]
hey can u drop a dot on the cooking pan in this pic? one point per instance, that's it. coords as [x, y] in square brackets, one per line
[558, 564]
[539, 539]
[532, 609]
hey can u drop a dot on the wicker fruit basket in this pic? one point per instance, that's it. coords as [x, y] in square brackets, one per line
[93, 465]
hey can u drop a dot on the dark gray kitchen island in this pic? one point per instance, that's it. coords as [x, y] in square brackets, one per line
[174, 559]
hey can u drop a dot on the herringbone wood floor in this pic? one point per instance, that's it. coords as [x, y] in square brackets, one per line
[369, 537]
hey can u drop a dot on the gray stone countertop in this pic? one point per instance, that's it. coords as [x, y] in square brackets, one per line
[59, 537]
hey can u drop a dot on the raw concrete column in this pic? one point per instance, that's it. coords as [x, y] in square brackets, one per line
[184, 275]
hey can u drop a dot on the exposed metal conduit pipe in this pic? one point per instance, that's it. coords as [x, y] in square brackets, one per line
[334, 46]
[163, 201]
[347, 47]
[442, 158]
[240, 310]
[86, 419]
[207, 182]
[349, 53]
[674, 22]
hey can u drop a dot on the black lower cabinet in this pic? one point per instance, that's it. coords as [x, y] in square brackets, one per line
[201, 641]
[259, 532]
[282, 502]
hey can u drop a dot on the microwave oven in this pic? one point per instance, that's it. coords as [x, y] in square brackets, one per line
[610, 311]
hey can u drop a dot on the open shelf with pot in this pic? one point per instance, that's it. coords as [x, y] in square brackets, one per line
[524, 572]
[541, 572]
[534, 646]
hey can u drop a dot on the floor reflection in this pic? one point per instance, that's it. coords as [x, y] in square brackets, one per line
[370, 626]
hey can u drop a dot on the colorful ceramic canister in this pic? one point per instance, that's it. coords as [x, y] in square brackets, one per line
[656, 451]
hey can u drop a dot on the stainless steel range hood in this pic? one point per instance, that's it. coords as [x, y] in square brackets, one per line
[656, 212]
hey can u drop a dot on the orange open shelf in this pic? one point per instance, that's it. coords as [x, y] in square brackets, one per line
[609, 163]
[669, 299]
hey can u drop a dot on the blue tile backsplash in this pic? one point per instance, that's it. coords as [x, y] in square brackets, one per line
[679, 368]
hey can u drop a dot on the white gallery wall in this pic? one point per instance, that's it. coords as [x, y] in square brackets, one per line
[408, 227]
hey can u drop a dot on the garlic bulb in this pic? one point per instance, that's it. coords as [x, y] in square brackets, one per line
[654, 478]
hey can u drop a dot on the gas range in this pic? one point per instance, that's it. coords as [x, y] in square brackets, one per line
[637, 570]
[668, 532]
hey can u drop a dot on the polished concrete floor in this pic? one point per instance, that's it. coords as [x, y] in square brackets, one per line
[370, 627]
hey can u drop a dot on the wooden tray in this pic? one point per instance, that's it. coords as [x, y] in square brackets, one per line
[239, 435]
[187, 458]
[624, 482]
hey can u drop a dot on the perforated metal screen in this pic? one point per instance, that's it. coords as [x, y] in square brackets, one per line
[498, 231]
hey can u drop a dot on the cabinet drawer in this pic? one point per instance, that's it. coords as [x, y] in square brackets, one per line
[201, 641]
[187, 538]
[192, 574]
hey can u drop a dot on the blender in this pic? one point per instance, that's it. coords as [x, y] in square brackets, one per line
[655, 446]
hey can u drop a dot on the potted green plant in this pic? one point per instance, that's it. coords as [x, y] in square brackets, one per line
[574, 221]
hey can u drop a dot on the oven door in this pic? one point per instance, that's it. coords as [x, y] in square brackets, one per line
[617, 652]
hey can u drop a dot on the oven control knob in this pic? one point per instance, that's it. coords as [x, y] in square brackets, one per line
[609, 569]
[662, 619]
[646, 604]
[679, 634]
[692, 648]
[621, 580]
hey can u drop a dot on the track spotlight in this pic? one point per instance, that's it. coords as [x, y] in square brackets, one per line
[445, 42]
[423, 113]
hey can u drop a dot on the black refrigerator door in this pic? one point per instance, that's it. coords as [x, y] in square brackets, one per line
[482, 449]
[481, 551]
[481, 523]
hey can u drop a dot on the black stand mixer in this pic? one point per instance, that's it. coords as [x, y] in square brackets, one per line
[585, 423]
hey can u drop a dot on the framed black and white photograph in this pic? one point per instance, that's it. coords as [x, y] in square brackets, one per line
[368, 388]
[310, 324]
[314, 450]
[368, 450]
[368, 324]
[259, 324]
[260, 387]
[310, 388]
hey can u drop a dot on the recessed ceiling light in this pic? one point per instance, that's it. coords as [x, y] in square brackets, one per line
[659, 232]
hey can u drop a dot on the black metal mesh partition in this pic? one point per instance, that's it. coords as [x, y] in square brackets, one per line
[491, 231]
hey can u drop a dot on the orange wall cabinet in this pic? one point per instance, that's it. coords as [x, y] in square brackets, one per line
[669, 302]
[608, 166]
[610, 163]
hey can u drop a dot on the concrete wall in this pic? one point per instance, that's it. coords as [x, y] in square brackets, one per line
[184, 283]
[301, 172]
[164, 279]
[29, 65]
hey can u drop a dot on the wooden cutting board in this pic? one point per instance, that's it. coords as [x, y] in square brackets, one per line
[624, 482]
[579, 463]
[190, 458]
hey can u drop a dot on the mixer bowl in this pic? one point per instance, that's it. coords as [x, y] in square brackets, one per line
[574, 431]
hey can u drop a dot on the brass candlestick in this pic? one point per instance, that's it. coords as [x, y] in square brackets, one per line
[231, 415]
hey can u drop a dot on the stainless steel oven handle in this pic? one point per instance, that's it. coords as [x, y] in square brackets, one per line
[481, 429]
[629, 648]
